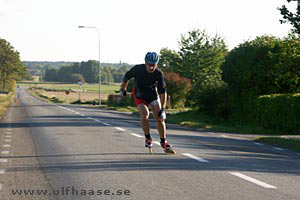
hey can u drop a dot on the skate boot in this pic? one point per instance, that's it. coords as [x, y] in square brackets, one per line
[149, 144]
[167, 148]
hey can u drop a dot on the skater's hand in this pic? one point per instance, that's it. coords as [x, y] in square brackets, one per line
[123, 92]
[162, 114]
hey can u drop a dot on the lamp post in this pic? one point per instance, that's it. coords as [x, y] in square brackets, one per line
[99, 58]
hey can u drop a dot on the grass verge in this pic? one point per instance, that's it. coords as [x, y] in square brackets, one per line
[196, 119]
[6, 100]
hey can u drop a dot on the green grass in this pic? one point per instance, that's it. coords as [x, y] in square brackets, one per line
[290, 143]
[196, 119]
[5, 100]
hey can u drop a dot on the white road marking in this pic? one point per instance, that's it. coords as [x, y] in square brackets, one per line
[7, 140]
[2, 171]
[8, 136]
[226, 136]
[82, 115]
[120, 129]
[3, 160]
[5, 152]
[97, 120]
[77, 113]
[279, 149]
[90, 118]
[6, 145]
[8, 129]
[257, 143]
[106, 124]
[195, 157]
[252, 180]
[136, 135]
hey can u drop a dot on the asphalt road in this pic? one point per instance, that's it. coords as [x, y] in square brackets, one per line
[73, 152]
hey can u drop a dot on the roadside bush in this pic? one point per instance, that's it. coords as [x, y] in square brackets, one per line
[276, 111]
[178, 88]
[265, 65]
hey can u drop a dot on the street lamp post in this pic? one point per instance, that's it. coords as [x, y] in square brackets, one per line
[99, 58]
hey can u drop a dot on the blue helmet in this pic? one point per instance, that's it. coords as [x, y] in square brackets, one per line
[151, 58]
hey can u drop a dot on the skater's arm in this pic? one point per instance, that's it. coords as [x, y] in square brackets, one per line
[124, 85]
[163, 99]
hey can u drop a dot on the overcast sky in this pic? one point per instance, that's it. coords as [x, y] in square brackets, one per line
[47, 30]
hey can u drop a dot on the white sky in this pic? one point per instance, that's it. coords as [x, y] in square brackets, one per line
[47, 30]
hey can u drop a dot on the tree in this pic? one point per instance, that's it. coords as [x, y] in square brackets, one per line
[201, 56]
[51, 75]
[265, 65]
[11, 67]
[169, 60]
[76, 77]
[292, 18]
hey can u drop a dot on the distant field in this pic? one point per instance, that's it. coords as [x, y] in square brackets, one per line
[88, 92]
[108, 89]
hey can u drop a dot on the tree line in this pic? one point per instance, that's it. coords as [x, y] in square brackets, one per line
[11, 67]
[88, 72]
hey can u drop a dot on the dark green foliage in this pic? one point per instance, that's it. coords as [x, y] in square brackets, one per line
[290, 17]
[278, 112]
[89, 70]
[265, 65]
[11, 68]
[76, 77]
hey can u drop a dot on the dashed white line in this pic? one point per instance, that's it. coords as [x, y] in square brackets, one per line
[252, 180]
[195, 157]
[2, 171]
[120, 129]
[5, 152]
[7, 140]
[258, 143]
[279, 149]
[96, 120]
[8, 129]
[136, 135]
[90, 118]
[106, 124]
[226, 136]
[8, 136]
[82, 115]
[6, 145]
[3, 160]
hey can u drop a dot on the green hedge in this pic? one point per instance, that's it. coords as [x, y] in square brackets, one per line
[276, 111]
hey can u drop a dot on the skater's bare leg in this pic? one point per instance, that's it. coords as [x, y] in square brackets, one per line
[144, 114]
[161, 125]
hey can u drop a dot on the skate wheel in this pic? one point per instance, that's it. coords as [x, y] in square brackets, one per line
[170, 152]
[150, 150]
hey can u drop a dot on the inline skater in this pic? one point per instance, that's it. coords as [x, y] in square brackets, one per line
[149, 89]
